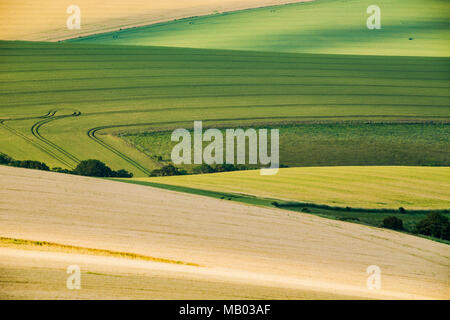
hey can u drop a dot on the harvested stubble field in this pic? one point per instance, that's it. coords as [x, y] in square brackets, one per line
[242, 251]
[311, 69]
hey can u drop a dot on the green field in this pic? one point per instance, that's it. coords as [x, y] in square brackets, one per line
[62, 103]
[335, 144]
[375, 187]
[409, 27]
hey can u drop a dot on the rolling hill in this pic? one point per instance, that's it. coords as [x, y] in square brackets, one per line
[408, 28]
[357, 187]
[62, 103]
[364, 122]
[235, 251]
[46, 20]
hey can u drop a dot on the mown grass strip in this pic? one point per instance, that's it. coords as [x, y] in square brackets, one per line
[4, 241]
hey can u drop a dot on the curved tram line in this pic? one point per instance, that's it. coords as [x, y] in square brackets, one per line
[48, 146]
[51, 146]
[92, 132]
[35, 131]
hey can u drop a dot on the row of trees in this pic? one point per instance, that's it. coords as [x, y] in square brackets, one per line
[91, 167]
[170, 170]
[434, 225]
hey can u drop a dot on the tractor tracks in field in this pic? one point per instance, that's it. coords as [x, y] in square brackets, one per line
[35, 132]
[91, 134]
[68, 159]
[45, 145]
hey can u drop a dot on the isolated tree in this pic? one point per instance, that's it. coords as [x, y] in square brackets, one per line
[93, 168]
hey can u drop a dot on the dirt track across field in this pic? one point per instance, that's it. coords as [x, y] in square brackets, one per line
[242, 251]
[46, 20]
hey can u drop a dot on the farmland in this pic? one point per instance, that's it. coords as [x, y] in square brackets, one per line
[364, 120]
[357, 187]
[223, 249]
[365, 195]
[409, 28]
[61, 103]
[335, 144]
[45, 20]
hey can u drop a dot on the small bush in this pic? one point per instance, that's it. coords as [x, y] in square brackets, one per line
[204, 168]
[61, 170]
[393, 223]
[402, 210]
[4, 159]
[224, 167]
[122, 174]
[169, 170]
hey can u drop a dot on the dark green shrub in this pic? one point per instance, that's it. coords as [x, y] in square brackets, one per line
[122, 173]
[93, 168]
[31, 164]
[435, 225]
[169, 170]
[393, 223]
[4, 159]
[204, 168]
[61, 170]
[224, 167]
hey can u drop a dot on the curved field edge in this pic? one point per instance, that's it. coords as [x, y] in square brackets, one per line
[414, 188]
[28, 20]
[365, 216]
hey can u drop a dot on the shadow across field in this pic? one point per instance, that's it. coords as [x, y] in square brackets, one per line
[365, 216]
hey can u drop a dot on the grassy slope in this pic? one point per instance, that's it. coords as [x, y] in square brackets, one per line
[164, 88]
[322, 26]
[357, 187]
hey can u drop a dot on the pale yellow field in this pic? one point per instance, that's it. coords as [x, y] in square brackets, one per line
[46, 20]
[243, 252]
[357, 187]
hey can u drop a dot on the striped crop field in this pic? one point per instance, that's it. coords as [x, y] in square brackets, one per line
[356, 187]
[62, 103]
